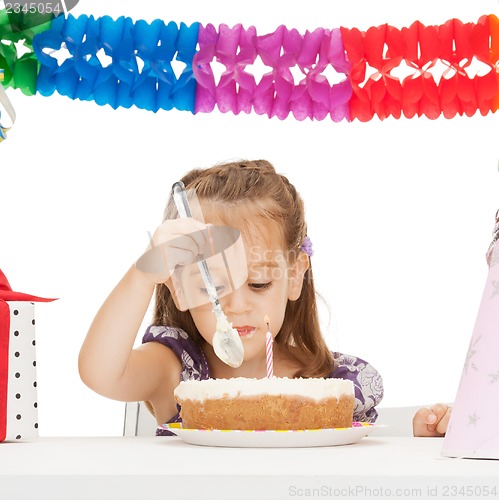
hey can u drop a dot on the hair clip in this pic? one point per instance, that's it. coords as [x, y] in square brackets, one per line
[306, 246]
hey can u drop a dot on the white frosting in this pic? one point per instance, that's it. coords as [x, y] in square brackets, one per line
[315, 388]
[222, 324]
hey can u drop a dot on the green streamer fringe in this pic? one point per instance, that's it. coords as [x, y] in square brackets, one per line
[18, 30]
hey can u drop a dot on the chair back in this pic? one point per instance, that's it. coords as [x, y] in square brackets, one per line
[138, 420]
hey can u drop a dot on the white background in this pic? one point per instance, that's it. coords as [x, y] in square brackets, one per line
[400, 212]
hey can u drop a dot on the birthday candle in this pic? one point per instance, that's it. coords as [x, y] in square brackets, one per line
[269, 350]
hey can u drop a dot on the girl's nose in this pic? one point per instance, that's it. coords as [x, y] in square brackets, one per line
[236, 302]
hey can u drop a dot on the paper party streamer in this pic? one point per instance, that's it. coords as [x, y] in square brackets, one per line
[7, 106]
[384, 71]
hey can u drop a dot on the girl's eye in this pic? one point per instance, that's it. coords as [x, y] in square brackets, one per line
[260, 286]
[219, 289]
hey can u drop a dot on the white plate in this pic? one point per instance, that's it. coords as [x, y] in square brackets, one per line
[272, 439]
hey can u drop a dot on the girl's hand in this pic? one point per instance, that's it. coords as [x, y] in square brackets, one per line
[431, 422]
[176, 242]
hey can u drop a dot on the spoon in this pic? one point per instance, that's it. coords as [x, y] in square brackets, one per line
[227, 343]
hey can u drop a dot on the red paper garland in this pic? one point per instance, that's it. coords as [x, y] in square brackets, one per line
[454, 44]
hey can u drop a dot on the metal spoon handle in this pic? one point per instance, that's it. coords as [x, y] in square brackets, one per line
[184, 210]
[180, 199]
[226, 341]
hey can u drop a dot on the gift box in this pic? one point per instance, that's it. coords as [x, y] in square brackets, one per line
[473, 431]
[18, 385]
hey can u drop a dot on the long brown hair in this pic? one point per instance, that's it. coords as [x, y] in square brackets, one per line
[253, 190]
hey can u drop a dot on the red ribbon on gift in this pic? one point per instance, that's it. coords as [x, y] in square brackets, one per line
[7, 294]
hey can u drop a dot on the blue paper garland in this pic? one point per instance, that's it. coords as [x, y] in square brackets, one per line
[121, 83]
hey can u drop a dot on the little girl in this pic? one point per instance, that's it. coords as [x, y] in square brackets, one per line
[278, 289]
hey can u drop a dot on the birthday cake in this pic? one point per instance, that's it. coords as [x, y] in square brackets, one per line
[266, 404]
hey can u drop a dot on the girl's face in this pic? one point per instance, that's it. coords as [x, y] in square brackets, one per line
[272, 279]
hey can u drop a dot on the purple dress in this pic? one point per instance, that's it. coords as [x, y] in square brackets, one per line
[367, 381]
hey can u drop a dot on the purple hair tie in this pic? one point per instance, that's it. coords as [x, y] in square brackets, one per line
[306, 246]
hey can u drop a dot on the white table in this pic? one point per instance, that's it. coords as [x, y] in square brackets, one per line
[138, 468]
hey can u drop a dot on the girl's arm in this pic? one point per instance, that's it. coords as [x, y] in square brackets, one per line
[104, 355]
[108, 364]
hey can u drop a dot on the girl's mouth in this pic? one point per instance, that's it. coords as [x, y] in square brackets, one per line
[245, 332]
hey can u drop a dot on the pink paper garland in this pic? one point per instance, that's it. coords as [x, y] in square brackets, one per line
[276, 94]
